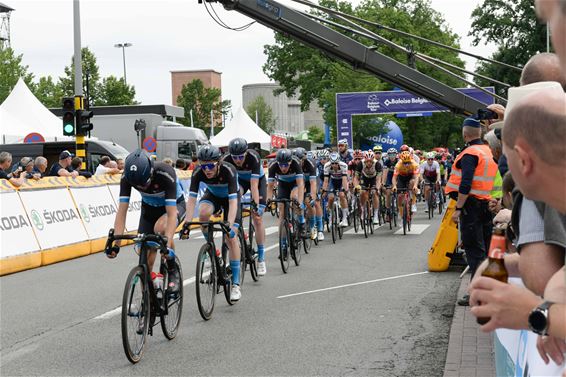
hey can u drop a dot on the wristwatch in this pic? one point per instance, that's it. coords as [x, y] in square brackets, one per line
[538, 319]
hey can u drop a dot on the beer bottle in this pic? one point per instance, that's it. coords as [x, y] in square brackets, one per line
[496, 266]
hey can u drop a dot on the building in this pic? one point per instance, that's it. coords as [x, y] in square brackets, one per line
[209, 77]
[287, 111]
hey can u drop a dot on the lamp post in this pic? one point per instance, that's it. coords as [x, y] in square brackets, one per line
[123, 47]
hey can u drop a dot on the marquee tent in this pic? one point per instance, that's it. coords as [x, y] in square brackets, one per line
[242, 126]
[22, 113]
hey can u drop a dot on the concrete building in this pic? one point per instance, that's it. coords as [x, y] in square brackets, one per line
[287, 111]
[209, 77]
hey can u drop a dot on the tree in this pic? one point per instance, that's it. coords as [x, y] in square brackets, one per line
[317, 77]
[11, 69]
[194, 96]
[316, 134]
[114, 91]
[264, 112]
[48, 92]
[90, 68]
[513, 26]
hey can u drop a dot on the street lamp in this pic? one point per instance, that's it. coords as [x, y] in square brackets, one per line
[123, 47]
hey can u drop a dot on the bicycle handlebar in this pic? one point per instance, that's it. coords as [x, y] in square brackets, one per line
[140, 237]
[222, 226]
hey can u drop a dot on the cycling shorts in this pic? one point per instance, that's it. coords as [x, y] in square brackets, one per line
[429, 180]
[221, 204]
[367, 182]
[403, 181]
[150, 214]
[262, 187]
[285, 188]
[335, 184]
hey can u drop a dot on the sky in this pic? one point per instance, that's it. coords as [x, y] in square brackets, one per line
[167, 35]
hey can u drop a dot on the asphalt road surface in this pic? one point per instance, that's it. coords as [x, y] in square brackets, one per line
[360, 307]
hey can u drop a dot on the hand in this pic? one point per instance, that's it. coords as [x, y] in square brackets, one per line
[302, 206]
[36, 176]
[260, 210]
[233, 230]
[394, 188]
[185, 231]
[499, 109]
[550, 346]
[502, 217]
[506, 305]
[358, 188]
[112, 252]
[75, 173]
[456, 216]
[494, 205]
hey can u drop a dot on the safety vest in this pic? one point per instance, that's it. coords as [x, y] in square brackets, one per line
[484, 175]
[496, 191]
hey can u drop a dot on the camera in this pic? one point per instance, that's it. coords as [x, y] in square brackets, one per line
[486, 114]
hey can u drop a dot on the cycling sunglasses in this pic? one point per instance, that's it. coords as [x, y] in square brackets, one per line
[238, 157]
[283, 164]
[209, 166]
[430, 159]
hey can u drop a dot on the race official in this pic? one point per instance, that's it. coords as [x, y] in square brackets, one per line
[470, 184]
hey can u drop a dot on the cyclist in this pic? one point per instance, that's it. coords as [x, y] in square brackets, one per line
[404, 148]
[378, 152]
[251, 177]
[222, 193]
[336, 179]
[162, 209]
[368, 176]
[313, 206]
[287, 171]
[406, 174]
[356, 162]
[442, 165]
[430, 172]
[343, 152]
[387, 177]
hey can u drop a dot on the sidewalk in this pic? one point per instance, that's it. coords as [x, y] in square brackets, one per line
[470, 351]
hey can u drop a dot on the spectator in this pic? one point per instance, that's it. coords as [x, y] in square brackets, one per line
[40, 166]
[120, 163]
[168, 161]
[496, 149]
[63, 166]
[23, 168]
[77, 164]
[5, 163]
[193, 163]
[180, 164]
[113, 164]
[104, 167]
[553, 12]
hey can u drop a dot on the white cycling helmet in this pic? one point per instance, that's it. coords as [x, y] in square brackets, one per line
[334, 157]
[343, 142]
[430, 155]
[323, 154]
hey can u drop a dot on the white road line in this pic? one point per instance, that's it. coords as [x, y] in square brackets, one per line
[416, 229]
[361, 230]
[353, 284]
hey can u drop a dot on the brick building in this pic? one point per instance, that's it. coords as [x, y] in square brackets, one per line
[209, 77]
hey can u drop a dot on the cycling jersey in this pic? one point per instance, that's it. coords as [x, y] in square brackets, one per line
[335, 173]
[320, 170]
[310, 174]
[369, 172]
[406, 170]
[163, 190]
[430, 171]
[223, 185]
[390, 166]
[251, 167]
[290, 176]
[346, 157]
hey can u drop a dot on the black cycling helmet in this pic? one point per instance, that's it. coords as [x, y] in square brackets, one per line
[138, 168]
[300, 153]
[208, 153]
[283, 156]
[238, 146]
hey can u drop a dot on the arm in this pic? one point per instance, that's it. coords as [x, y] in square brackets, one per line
[538, 263]
[232, 211]
[191, 204]
[120, 220]
[313, 186]
[64, 173]
[300, 189]
[270, 184]
[171, 224]
[556, 288]
[254, 188]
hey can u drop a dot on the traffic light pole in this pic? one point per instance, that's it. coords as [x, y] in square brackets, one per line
[79, 101]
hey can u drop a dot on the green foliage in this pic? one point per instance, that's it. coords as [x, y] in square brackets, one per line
[90, 68]
[114, 91]
[11, 69]
[316, 135]
[194, 96]
[317, 77]
[48, 92]
[264, 113]
[513, 26]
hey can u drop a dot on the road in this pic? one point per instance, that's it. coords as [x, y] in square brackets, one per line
[370, 308]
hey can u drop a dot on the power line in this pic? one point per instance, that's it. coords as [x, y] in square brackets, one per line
[219, 21]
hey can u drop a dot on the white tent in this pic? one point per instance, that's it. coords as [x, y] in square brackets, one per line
[242, 126]
[22, 113]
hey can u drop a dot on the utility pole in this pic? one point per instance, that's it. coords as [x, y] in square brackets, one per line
[79, 100]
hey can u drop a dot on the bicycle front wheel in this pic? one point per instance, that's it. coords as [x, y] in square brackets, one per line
[135, 314]
[206, 280]
[284, 247]
[171, 318]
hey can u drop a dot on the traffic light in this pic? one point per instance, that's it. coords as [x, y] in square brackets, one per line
[83, 121]
[68, 116]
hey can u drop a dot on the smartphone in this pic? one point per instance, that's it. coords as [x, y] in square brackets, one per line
[485, 114]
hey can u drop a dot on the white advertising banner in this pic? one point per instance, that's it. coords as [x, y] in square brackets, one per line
[54, 217]
[16, 233]
[134, 210]
[97, 209]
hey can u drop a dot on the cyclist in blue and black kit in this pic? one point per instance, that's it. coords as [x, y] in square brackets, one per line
[290, 182]
[313, 206]
[222, 193]
[388, 170]
[162, 209]
[251, 177]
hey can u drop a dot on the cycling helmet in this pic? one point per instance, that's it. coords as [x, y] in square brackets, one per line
[310, 154]
[430, 155]
[323, 154]
[208, 153]
[343, 142]
[334, 157]
[378, 149]
[404, 147]
[405, 156]
[392, 151]
[284, 156]
[358, 153]
[300, 153]
[138, 168]
[238, 146]
[418, 152]
[369, 155]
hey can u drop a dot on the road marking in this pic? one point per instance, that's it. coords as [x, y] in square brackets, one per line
[353, 284]
[361, 230]
[416, 229]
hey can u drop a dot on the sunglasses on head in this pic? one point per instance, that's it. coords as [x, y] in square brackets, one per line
[209, 166]
[238, 156]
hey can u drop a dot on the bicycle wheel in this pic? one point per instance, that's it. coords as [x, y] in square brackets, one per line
[284, 245]
[135, 314]
[171, 318]
[243, 256]
[355, 215]
[394, 212]
[430, 205]
[252, 257]
[334, 226]
[338, 227]
[206, 280]
[370, 216]
[297, 244]
[406, 210]
[365, 220]
[440, 203]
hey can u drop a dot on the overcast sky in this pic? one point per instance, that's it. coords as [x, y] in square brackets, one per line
[166, 35]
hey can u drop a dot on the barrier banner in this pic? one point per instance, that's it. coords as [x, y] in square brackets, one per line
[97, 209]
[16, 231]
[54, 217]
[134, 209]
